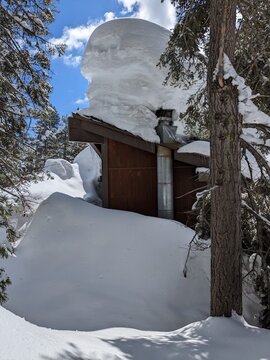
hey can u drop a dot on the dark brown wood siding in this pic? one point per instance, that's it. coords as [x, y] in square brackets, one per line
[185, 181]
[132, 179]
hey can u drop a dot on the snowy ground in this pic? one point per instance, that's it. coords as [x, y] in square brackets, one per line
[211, 339]
[82, 267]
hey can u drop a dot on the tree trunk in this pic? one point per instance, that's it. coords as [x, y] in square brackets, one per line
[225, 166]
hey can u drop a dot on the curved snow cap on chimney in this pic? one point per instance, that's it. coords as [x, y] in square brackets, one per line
[126, 86]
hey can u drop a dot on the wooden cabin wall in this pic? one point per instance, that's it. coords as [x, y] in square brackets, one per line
[132, 179]
[185, 180]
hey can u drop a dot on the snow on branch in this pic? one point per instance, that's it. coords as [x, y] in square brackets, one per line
[265, 128]
[261, 161]
[202, 194]
[256, 214]
[250, 112]
[254, 120]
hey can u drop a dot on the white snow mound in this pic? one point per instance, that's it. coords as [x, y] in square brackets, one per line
[89, 163]
[76, 180]
[211, 339]
[83, 267]
[59, 167]
[126, 86]
[62, 177]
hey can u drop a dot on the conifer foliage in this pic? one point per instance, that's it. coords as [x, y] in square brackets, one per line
[188, 57]
[51, 140]
[188, 48]
[24, 95]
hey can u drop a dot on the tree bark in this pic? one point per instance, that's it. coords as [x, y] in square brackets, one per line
[225, 165]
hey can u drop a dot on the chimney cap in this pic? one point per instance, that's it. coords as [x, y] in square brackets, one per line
[164, 113]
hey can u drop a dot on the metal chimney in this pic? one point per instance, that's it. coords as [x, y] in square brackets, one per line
[165, 182]
[166, 131]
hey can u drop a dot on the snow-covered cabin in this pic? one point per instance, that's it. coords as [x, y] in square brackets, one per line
[141, 176]
[133, 121]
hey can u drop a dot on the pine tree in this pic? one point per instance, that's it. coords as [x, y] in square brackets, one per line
[225, 164]
[24, 95]
[190, 48]
[44, 141]
[67, 150]
[51, 140]
[189, 45]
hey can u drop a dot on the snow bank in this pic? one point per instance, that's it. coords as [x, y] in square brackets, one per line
[89, 164]
[61, 177]
[126, 85]
[76, 180]
[83, 267]
[60, 167]
[211, 339]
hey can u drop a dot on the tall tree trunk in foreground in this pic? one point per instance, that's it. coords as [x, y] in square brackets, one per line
[226, 291]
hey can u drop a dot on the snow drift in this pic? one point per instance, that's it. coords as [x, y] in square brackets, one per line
[126, 86]
[60, 167]
[83, 267]
[89, 163]
[76, 180]
[60, 176]
[211, 339]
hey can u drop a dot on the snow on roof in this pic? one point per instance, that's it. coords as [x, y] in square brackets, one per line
[196, 147]
[126, 86]
[248, 161]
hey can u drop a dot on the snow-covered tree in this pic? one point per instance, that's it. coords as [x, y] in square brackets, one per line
[44, 141]
[67, 149]
[225, 163]
[24, 95]
[51, 140]
[188, 47]
[241, 31]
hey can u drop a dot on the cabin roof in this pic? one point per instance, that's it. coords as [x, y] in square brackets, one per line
[93, 130]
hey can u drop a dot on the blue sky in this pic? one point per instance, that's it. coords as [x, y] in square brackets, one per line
[73, 25]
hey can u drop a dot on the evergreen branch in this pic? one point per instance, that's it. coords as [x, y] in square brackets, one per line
[261, 161]
[257, 215]
[262, 127]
